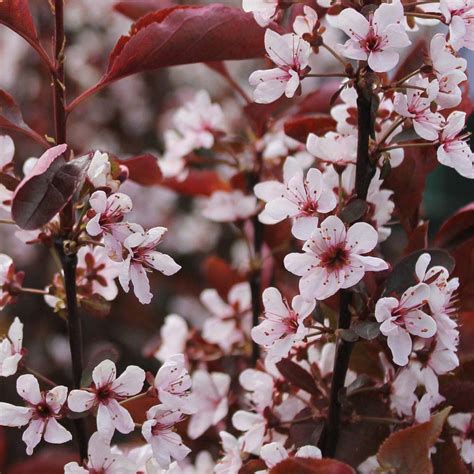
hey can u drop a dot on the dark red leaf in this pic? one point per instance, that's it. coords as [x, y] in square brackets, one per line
[318, 101]
[408, 182]
[464, 270]
[447, 460]
[408, 450]
[17, 16]
[10, 182]
[457, 228]
[143, 169]
[135, 9]
[311, 466]
[46, 190]
[185, 35]
[198, 183]
[296, 375]
[300, 127]
[11, 117]
[418, 239]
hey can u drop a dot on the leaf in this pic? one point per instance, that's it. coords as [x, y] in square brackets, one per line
[143, 169]
[198, 183]
[135, 9]
[17, 16]
[185, 35]
[418, 239]
[407, 450]
[456, 228]
[354, 211]
[464, 256]
[366, 329]
[11, 117]
[311, 466]
[47, 189]
[9, 181]
[296, 375]
[220, 275]
[447, 460]
[403, 274]
[299, 127]
[408, 182]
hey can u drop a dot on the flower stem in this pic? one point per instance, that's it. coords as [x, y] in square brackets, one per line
[68, 261]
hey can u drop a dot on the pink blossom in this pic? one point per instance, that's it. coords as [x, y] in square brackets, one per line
[459, 15]
[141, 257]
[232, 206]
[106, 218]
[173, 384]
[334, 258]
[231, 462]
[173, 335]
[7, 151]
[41, 413]
[333, 148]
[305, 24]
[99, 172]
[449, 70]
[6, 270]
[263, 10]
[290, 54]
[165, 442]
[402, 393]
[11, 351]
[464, 424]
[228, 319]
[453, 150]
[299, 197]
[210, 391]
[101, 459]
[374, 39]
[415, 104]
[403, 317]
[105, 394]
[274, 453]
[282, 326]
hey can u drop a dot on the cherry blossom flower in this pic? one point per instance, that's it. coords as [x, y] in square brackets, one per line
[263, 10]
[415, 104]
[223, 206]
[231, 462]
[106, 218]
[254, 424]
[334, 258]
[290, 54]
[173, 384]
[449, 70]
[7, 151]
[11, 351]
[173, 335]
[374, 39]
[101, 458]
[282, 325]
[464, 424]
[141, 257]
[199, 120]
[305, 24]
[299, 197]
[99, 172]
[105, 394]
[210, 391]
[402, 391]
[459, 14]
[453, 150]
[229, 319]
[165, 442]
[403, 317]
[41, 413]
[274, 453]
[7, 272]
[333, 148]
[96, 273]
